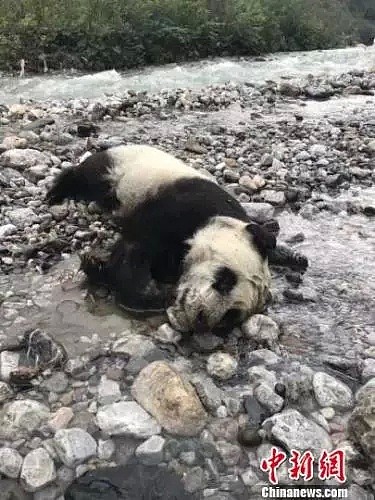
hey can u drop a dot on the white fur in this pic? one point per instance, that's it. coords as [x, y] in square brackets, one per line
[139, 171]
[224, 242]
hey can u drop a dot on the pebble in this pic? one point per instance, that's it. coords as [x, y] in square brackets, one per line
[268, 398]
[262, 329]
[60, 419]
[108, 391]
[21, 418]
[221, 365]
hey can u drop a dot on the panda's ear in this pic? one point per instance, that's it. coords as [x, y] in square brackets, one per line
[262, 238]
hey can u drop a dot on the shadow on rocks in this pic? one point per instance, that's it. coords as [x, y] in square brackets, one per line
[128, 482]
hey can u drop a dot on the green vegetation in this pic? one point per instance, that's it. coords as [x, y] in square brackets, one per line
[106, 34]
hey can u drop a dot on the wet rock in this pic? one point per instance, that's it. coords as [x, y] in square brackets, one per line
[39, 124]
[21, 418]
[355, 492]
[127, 418]
[298, 384]
[361, 425]
[331, 392]
[133, 345]
[268, 398]
[22, 159]
[229, 453]
[167, 335]
[5, 392]
[38, 470]
[194, 147]
[129, 482]
[250, 477]
[74, 446]
[151, 451]
[221, 365]
[295, 431]
[10, 462]
[321, 92]
[263, 330]
[249, 436]
[170, 399]
[108, 391]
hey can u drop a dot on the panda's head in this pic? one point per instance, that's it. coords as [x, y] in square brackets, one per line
[225, 277]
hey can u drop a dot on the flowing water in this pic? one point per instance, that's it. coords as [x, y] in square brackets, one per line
[293, 65]
[340, 317]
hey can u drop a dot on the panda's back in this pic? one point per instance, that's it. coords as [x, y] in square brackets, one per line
[138, 173]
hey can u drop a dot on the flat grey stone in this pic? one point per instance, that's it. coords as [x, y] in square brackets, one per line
[127, 418]
[151, 451]
[332, 392]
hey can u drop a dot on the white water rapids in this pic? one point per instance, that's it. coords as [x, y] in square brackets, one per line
[295, 65]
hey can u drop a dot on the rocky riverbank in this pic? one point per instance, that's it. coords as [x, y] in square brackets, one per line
[69, 408]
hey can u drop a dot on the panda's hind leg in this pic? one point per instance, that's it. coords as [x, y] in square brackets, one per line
[125, 270]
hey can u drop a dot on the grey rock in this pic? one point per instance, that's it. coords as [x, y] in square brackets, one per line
[58, 383]
[21, 418]
[38, 470]
[260, 212]
[366, 389]
[22, 217]
[127, 418]
[265, 356]
[7, 230]
[24, 158]
[133, 345]
[259, 373]
[262, 329]
[221, 365]
[5, 392]
[74, 446]
[332, 392]
[295, 431]
[151, 451]
[276, 198]
[368, 368]
[10, 462]
[361, 425]
[289, 89]
[298, 383]
[268, 398]
[210, 395]
[194, 480]
[250, 477]
[355, 492]
[106, 449]
[108, 391]
[9, 361]
[229, 453]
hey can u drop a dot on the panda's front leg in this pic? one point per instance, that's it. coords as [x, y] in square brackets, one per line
[126, 272]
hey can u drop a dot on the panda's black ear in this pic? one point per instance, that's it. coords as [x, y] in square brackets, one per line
[263, 239]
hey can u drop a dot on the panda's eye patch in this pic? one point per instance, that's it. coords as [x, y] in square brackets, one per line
[225, 280]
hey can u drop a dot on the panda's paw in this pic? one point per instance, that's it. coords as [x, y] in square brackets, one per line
[93, 264]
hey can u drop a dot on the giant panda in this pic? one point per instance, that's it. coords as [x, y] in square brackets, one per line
[178, 228]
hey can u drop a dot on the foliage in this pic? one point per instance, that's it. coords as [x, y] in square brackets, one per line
[102, 34]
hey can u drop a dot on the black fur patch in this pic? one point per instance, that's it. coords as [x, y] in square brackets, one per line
[263, 239]
[225, 280]
[87, 181]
